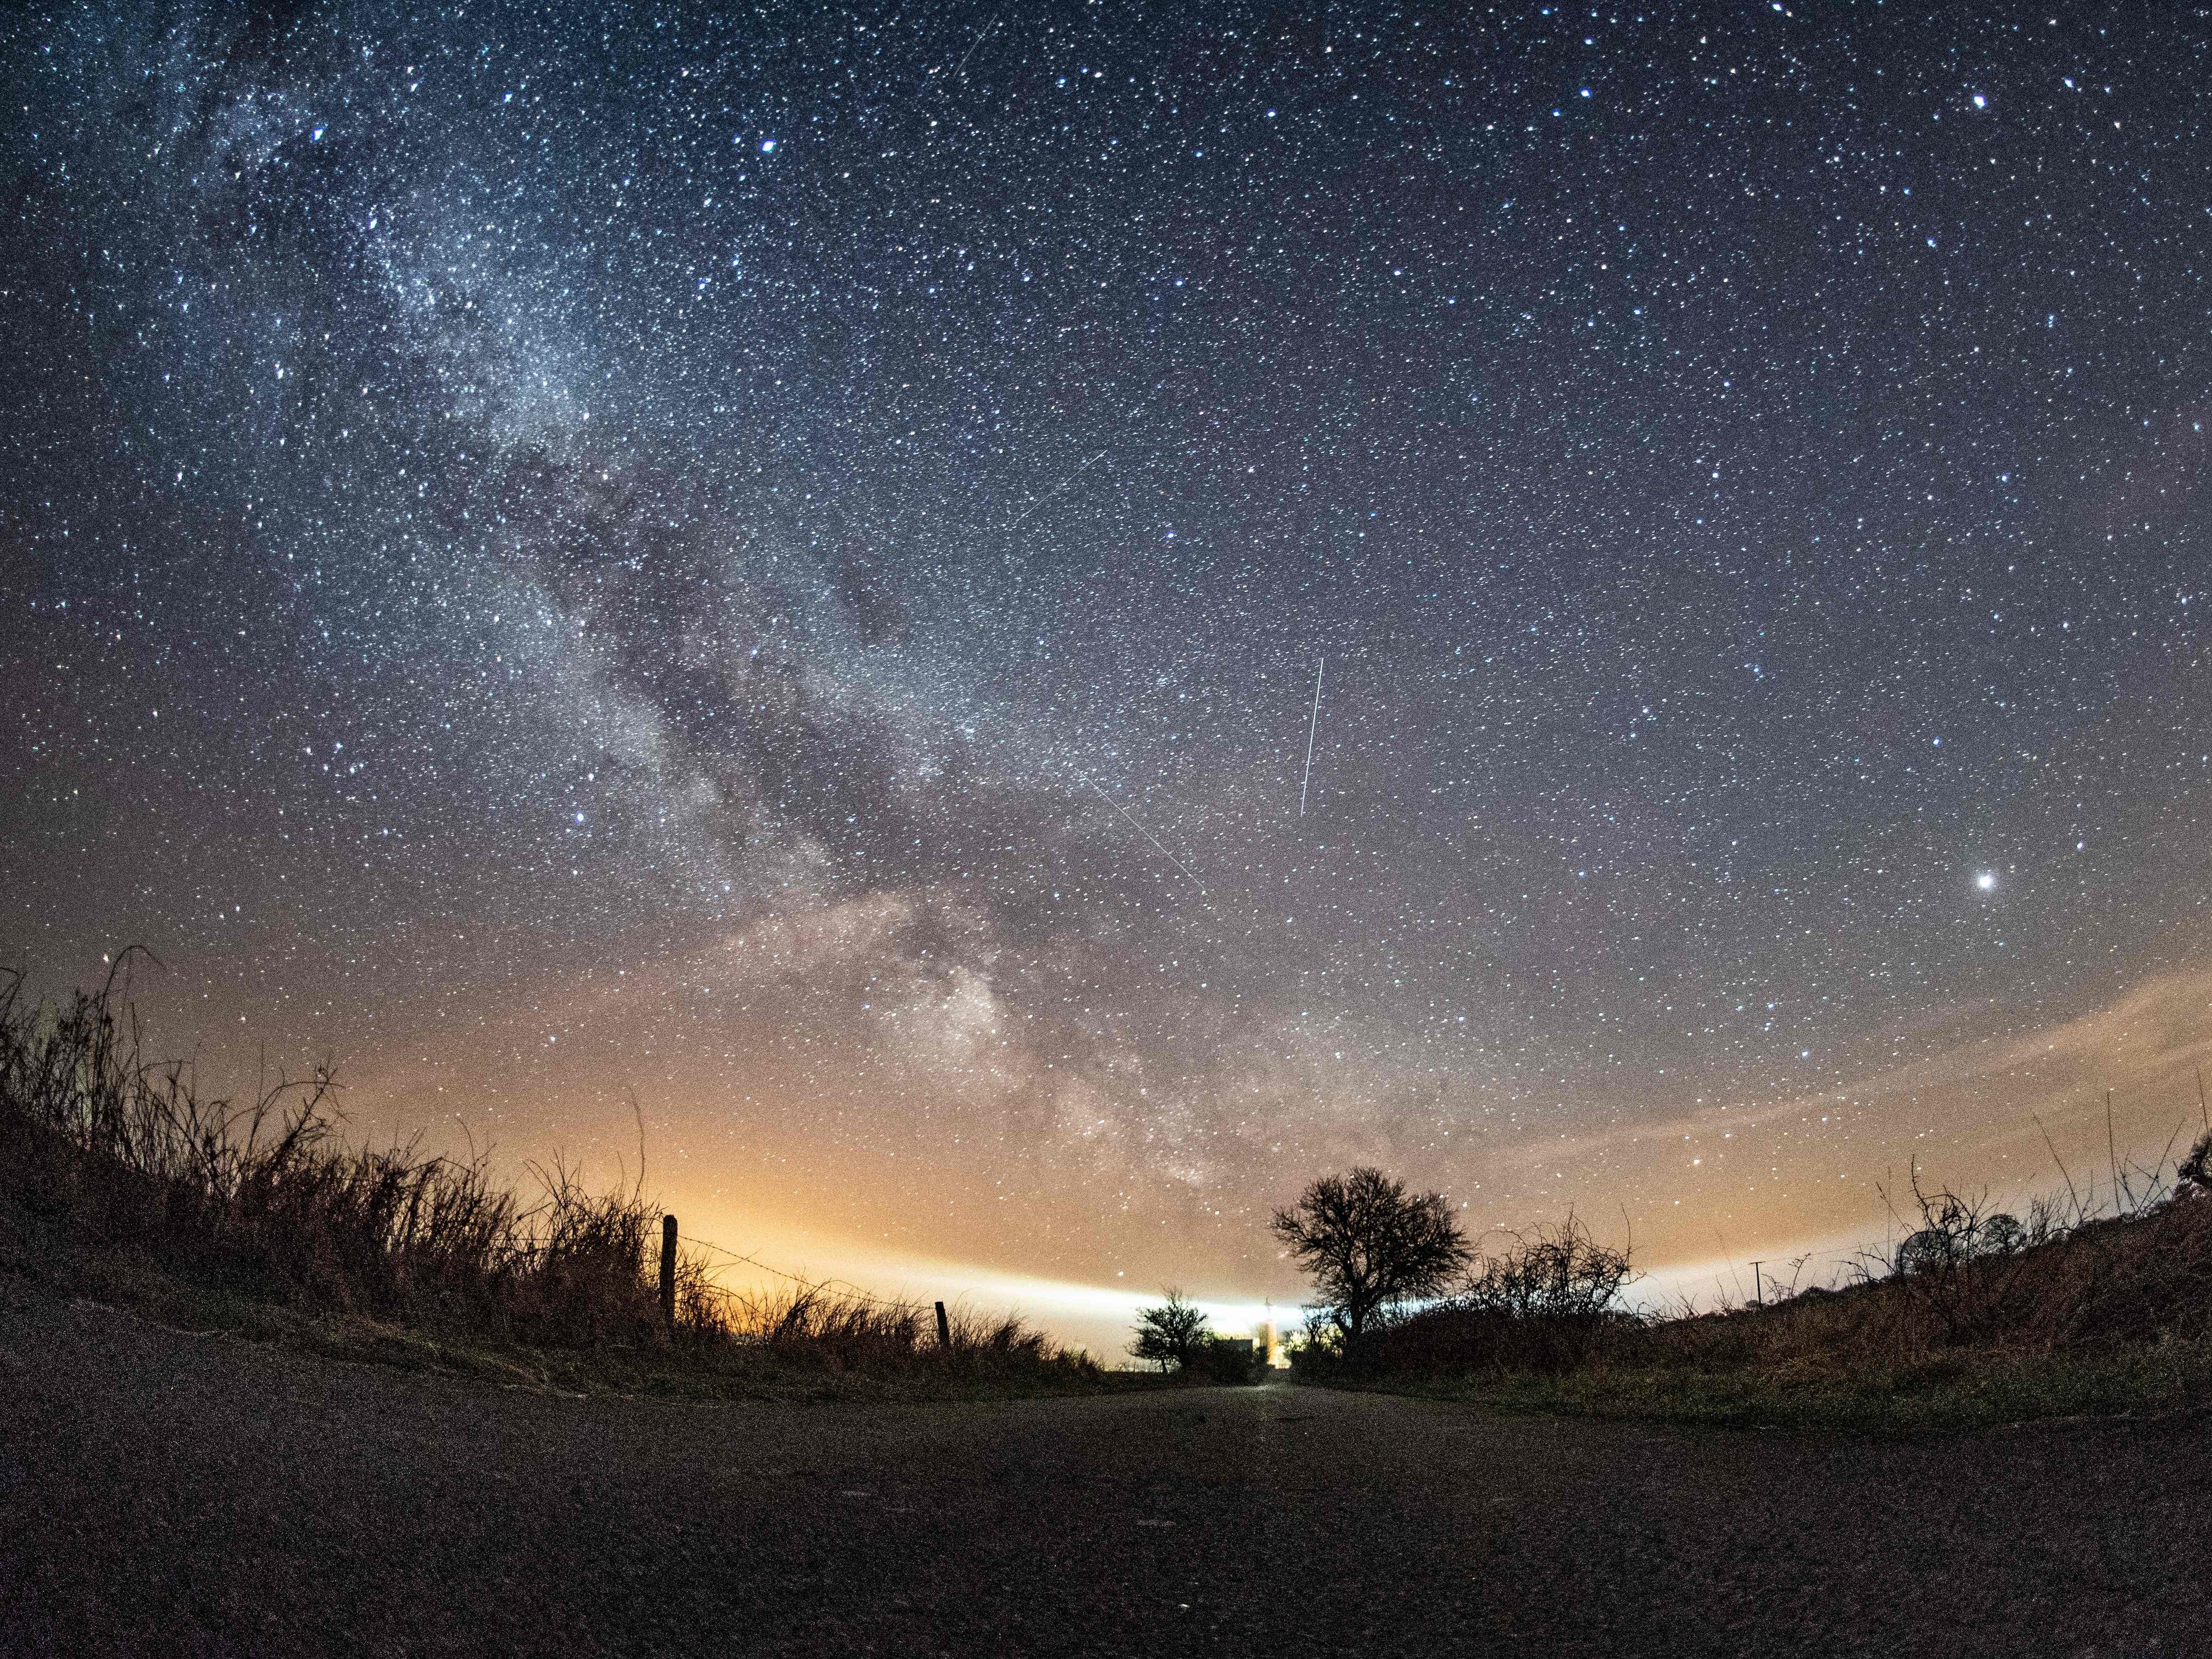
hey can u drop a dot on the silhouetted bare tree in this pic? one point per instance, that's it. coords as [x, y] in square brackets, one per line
[1370, 1247]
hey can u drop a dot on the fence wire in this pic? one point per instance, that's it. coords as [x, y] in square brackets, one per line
[844, 1287]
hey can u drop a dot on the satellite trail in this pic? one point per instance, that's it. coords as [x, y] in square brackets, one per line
[1049, 493]
[1146, 834]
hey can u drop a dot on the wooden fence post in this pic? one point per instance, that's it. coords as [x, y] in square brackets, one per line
[943, 1328]
[668, 1273]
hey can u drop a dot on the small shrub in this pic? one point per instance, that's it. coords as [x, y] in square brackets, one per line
[1227, 1361]
[1167, 1335]
[2191, 1172]
[2002, 1234]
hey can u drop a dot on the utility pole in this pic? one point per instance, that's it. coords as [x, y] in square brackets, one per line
[1757, 1289]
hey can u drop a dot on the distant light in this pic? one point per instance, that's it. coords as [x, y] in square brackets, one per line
[767, 146]
[1987, 880]
[1980, 102]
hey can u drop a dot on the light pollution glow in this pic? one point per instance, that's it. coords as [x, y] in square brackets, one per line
[1700, 1194]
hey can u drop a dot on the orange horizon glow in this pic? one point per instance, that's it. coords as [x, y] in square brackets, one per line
[1701, 1193]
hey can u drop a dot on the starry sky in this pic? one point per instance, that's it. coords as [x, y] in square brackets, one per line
[776, 565]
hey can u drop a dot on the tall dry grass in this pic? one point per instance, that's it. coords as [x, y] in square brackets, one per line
[267, 1197]
[847, 1330]
[2108, 1283]
[124, 1151]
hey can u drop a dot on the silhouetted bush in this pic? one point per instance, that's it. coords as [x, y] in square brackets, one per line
[1538, 1305]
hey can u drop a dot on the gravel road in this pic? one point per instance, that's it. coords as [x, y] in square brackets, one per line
[164, 1493]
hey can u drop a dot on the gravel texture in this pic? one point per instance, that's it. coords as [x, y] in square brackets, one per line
[164, 1493]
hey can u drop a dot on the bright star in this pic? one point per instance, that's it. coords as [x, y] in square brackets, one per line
[1986, 880]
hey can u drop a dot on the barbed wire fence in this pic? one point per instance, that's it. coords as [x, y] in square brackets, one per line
[843, 1287]
[848, 1292]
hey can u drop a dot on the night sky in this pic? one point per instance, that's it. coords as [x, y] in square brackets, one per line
[778, 563]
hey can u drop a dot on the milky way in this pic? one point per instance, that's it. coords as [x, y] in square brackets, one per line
[790, 554]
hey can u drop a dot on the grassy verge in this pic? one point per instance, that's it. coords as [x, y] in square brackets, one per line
[1967, 1391]
[119, 1184]
[216, 1310]
[1977, 1321]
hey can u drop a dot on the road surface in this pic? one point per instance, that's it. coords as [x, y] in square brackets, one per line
[166, 1493]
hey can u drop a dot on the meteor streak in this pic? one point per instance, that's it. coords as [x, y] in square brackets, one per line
[1312, 726]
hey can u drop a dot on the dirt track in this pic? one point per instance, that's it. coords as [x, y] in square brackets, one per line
[164, 1493]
